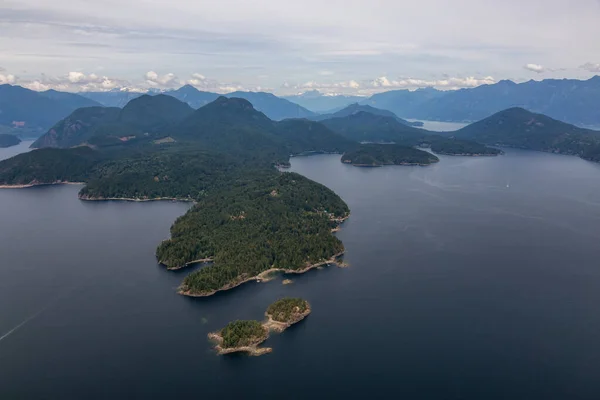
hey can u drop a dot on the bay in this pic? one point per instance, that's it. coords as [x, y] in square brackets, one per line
[475, 278]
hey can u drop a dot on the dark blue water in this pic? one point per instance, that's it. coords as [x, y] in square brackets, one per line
[476, 278]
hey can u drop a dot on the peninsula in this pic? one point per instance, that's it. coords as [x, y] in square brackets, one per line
[8, 140]
[377, 155]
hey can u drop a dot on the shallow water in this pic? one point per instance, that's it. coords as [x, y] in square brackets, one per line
[475, 278]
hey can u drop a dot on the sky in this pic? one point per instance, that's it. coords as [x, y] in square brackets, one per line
[289, 47]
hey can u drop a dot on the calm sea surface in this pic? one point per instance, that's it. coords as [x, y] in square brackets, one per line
[476, 278]
[438, 126]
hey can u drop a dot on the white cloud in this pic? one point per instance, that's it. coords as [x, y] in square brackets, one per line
[164, 81]
[10, 79]
[201, 82]
[535, 68]
[384, 83]
[591, 67]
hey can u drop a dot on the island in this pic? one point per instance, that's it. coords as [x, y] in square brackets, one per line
[377, 155]
[456, 147]
[246, 336]
[241, 336]
[8, 140]
[286, 312]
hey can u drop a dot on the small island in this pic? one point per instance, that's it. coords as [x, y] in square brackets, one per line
[456, 147]
[8, 140]
[246, 336]
[241, 336]
[377, 155]
[286, 312]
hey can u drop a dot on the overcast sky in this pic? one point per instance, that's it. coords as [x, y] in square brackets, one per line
[336, 46]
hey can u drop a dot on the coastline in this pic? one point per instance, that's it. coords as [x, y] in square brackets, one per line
[270, 325]
[469, 154]
[252, 349]
[279, 327]
[262, 277]
[188, 264]
[34, 184]
[135, 200]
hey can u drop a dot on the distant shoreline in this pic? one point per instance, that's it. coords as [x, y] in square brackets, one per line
[34, 184]
[136, 200]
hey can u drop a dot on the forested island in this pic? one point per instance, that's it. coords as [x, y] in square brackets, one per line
[246, 336]
[241, 336]
[377, 155]
[455, 147]
[285, 312]
[8, 140]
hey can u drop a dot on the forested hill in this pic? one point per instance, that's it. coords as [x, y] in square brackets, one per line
[37, 110]
[376, 155]
[228, 125]
[7, 140]
[100, 125]
[366, 127]
[356, 108]
[517, 127]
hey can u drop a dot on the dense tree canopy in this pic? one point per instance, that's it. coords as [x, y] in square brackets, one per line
[287, 309]
[375, 155]
[243, 333]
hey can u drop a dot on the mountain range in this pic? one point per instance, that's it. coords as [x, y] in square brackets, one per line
[568, 100]
[276, 108]
[572, 101]
[325, 104]
[22, 108]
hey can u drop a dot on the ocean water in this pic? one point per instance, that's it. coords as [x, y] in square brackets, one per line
[475, 278]
[438, 126]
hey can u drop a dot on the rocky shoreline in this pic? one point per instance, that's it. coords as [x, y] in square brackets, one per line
[262, 277]
[133, 199]
[252, 349]
[279, 326]
[270, 325]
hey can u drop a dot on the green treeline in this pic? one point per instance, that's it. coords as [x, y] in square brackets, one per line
[388, 154]
[243, 333]
[286, 309]
[461, 147]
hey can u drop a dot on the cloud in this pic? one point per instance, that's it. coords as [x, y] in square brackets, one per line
[201, 82]
[10, 79]
[164, 81]
[535, 68]
[383, 83]
[74, 81]
[591, 67]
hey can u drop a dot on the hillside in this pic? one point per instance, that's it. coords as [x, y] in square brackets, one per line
[272, 106]
[367, 127]
[7, 140]
[37, 110]
[302, 136]
[356, 108]
[520, 128]
[77, 128]
[153, 113]
[102, 126]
